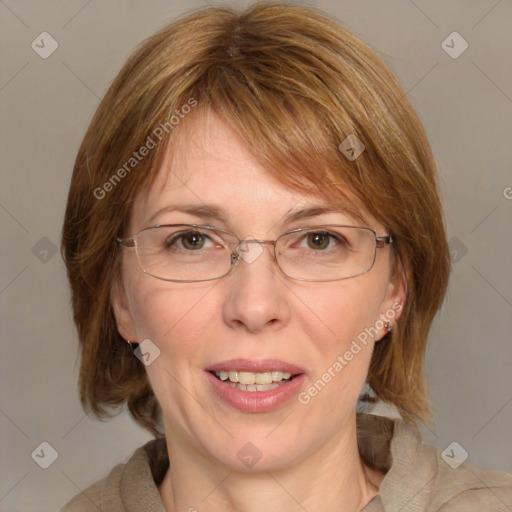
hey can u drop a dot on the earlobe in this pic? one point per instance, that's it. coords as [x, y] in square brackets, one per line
[122, 311]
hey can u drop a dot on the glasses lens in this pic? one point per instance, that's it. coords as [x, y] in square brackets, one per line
[326, 253]
[184, 252]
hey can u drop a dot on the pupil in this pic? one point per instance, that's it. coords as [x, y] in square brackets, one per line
[318, 240]
[193, 241]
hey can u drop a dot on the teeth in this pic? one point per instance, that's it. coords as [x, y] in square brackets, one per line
[253, 380]
[264, 378]
[246, 378]
[253, 387]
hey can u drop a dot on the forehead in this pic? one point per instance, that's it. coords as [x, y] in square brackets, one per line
[207, 162]
[207, 155]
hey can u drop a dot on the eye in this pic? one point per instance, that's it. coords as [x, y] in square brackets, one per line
[189, 240]
[321, 240]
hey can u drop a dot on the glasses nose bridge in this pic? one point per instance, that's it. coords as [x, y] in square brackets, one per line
[254, 241]
[236, 255]
[257, 241]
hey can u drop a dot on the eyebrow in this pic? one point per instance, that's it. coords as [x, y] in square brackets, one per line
[213, 212]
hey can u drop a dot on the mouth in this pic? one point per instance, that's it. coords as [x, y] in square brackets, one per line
[249, 381]
[256, 385]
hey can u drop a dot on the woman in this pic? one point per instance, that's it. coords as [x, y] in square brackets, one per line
[253, 235]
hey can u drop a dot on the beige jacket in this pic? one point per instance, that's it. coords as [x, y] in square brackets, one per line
[417, 477]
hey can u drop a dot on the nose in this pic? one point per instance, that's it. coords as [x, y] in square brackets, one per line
[256, 292]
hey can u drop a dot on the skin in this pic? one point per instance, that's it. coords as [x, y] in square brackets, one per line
[309, 452]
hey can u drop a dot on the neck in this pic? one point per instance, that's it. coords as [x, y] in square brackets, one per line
[332, 476]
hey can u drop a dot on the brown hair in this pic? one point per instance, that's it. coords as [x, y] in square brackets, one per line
[294, 84]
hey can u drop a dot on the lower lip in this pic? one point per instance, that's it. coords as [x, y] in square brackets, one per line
[257, 401]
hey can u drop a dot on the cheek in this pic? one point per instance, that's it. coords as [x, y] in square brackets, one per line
[337, 325]
[340, 311]
[174, 316]
[171, 315]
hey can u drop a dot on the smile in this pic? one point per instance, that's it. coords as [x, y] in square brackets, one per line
[256, 385]
[248, 381]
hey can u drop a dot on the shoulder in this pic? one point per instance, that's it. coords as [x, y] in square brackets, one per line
[446, 482]
[421, 477]
[126, 483]
[492, 499]
[467, 488]
[92, 498]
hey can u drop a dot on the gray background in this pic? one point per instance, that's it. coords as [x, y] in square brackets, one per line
[46, 104]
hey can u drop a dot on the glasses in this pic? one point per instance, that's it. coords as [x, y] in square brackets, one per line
[192, 252]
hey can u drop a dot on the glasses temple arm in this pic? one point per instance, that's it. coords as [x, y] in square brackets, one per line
[126, 242]
[384, 240]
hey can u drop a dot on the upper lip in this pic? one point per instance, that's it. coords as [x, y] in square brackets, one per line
[256, 366]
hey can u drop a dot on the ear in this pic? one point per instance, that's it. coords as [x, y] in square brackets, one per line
[394, 301]
[122, 312]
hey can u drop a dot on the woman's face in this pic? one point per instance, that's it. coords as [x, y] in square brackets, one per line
[255, 318]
